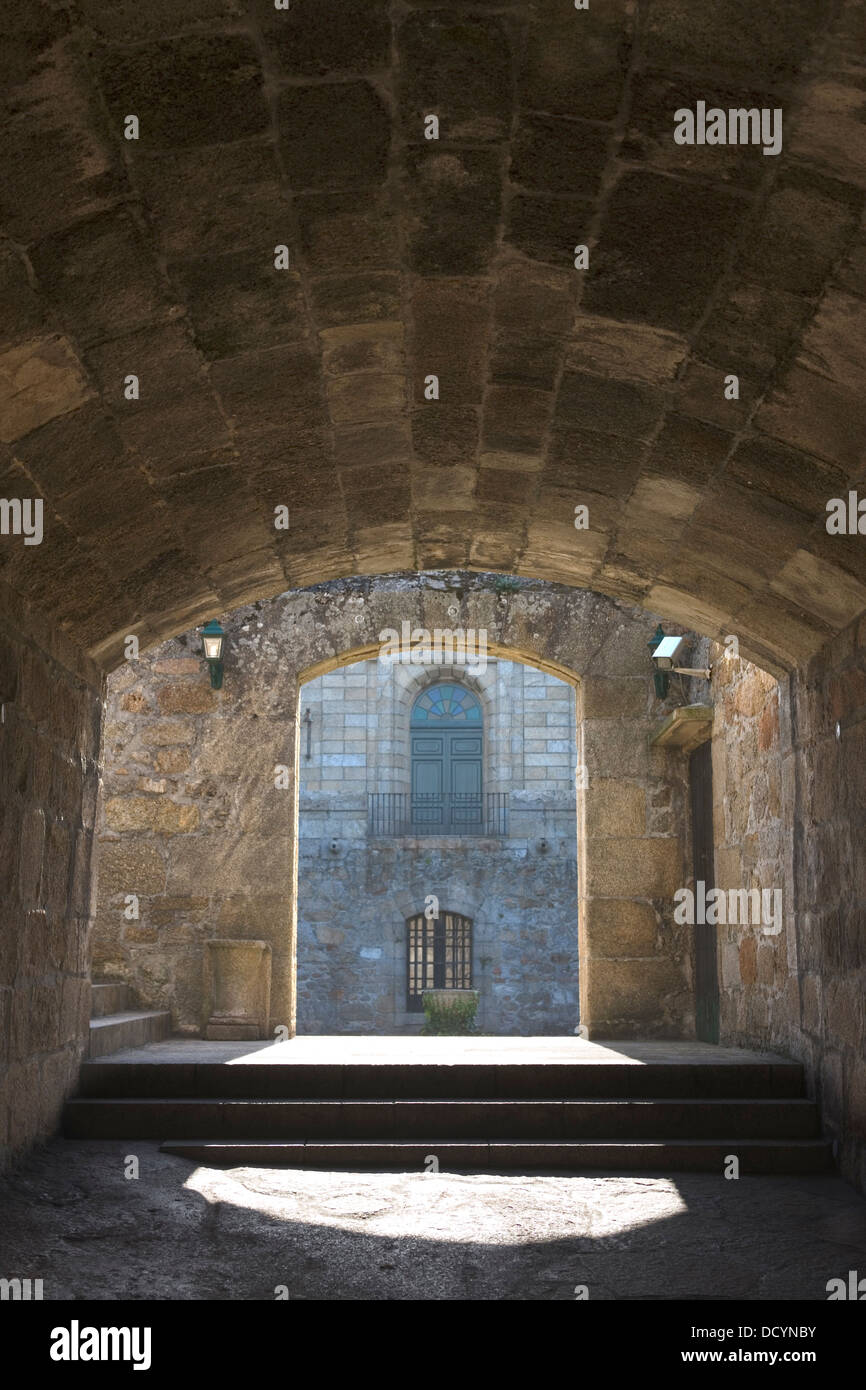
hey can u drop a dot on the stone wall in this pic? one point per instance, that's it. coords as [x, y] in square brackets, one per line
[49, 743]
[352, 912]
[193, 825]
[788, 770]
[829, 849]
[753, 811]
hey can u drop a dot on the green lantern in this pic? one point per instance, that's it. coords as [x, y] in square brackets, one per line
[661, 679]
[213, 643]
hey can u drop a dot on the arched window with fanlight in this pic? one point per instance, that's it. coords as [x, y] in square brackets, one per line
[439, 955]
[447, 739]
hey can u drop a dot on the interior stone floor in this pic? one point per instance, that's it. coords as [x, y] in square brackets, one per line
[184, 1232]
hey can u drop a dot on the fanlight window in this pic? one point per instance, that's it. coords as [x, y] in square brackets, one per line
[450, 704]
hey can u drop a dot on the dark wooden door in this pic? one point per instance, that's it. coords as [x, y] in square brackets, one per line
[706, 959]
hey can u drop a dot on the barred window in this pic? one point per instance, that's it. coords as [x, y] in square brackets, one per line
[439, 955]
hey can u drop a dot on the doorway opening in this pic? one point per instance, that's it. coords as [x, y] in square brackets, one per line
[437, 846]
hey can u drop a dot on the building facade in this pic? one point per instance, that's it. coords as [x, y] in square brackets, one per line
[437, 845]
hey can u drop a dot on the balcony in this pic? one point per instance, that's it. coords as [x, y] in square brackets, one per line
[430, 813]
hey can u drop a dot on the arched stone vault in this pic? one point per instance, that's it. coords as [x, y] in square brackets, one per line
[407, 257]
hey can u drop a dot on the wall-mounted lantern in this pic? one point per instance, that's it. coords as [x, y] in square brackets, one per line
[213, 642]
[661, 679]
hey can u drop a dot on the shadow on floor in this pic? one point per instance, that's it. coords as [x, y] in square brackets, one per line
[182, 1232]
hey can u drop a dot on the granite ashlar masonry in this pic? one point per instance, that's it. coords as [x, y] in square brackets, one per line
[559, 386]
[50, 698]
[789, 813]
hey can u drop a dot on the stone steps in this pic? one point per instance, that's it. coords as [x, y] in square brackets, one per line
[429, 1120]
[108, 997]
[115, 1024]
[667, 1112]
[129, 1028]
[245, 1080]
[755, 1156]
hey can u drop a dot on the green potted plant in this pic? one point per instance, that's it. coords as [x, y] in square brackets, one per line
[449, 1012]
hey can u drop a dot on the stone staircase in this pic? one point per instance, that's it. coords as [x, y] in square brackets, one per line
[115, 1025]
[660, 1116]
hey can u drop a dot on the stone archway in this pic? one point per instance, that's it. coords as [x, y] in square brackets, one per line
[632, 838]
[560, 386]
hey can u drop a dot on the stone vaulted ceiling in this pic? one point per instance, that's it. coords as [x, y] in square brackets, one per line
[410, 257]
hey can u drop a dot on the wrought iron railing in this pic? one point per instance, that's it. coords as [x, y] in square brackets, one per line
[431, 813]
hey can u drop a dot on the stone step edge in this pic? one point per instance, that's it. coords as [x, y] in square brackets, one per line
[128, 1016]
[411, 1144]
[796, 1102]
[113, 1032]
[811, 1155]
[109, 997]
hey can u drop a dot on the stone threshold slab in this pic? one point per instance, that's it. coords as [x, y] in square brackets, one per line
[405, 1051]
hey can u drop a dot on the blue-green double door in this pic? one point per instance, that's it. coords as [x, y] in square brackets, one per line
[446, 778]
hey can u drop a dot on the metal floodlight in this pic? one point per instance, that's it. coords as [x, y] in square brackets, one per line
[666, 651]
